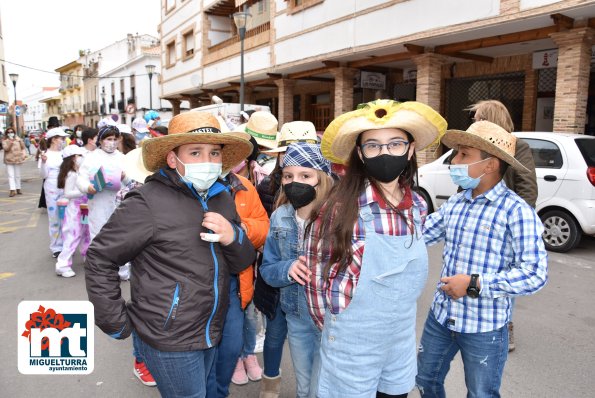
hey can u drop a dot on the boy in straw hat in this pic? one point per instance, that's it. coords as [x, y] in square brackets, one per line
[493, 251]
[183, 234]
[365, 251]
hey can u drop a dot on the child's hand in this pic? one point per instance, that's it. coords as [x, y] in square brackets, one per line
[91, 190]
[299, 272]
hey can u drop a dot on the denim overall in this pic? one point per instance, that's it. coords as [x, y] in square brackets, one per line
[370, 346]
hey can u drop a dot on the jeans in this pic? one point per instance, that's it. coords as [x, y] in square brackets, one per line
[250, 330]
[304, 344]
[274, 339]
[178, 374]
[484, 356]
[230, 346]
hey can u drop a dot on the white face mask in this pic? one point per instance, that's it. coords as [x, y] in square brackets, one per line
[79, 161]
[11, 135]
[200, 175]
[62, 145]
[79, 134]
[109, 146]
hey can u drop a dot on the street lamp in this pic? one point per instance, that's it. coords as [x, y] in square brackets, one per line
[150, 70]
[240, 19]
[14, 77]
[103, 100]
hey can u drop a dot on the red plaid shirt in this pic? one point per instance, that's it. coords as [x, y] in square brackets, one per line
[337, 292]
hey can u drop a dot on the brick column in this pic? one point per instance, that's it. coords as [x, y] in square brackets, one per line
[175, 106]
[286, 87]
[248, 95]
[429, 91]
[530, 98]
[343, 90]
[572, 80]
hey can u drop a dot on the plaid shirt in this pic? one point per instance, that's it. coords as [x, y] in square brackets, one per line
[337, 292]
[496, 235]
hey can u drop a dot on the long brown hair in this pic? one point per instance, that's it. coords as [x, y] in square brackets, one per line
[68, 164]
[336, 232]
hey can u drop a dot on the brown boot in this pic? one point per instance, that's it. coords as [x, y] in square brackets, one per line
[270, 387]
[511, 345]
[12, 193]
[19, 192]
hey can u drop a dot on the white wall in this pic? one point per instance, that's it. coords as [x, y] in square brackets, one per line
[399, 20]
[230, 68]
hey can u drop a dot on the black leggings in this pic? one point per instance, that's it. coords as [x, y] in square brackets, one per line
[383, 395]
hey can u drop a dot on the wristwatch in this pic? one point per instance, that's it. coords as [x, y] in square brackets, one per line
[473, 290]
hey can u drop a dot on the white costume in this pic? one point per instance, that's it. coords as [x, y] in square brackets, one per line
[49, 171]
[102, 204]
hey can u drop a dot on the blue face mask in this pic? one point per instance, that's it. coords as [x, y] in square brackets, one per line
[459, 173]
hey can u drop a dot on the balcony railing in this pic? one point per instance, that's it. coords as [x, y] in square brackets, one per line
[236, 38]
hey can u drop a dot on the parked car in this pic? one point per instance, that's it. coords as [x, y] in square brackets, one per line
[565, 168]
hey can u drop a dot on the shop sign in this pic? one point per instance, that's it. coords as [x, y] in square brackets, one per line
[549, 58]
[373, 80]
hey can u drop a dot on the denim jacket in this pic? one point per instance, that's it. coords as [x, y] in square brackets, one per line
[280, 251]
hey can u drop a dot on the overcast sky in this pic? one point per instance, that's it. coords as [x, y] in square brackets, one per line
[47, 34]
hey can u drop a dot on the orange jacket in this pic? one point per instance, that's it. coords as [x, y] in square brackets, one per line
[256, 223]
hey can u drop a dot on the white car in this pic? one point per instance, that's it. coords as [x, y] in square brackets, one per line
[565, 168]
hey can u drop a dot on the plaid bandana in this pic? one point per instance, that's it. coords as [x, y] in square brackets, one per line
[306, 155]
[104, 130]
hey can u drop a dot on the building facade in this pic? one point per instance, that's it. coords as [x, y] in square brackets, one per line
[4, 84]
[35, 113]
[71, 94]
[315, 59]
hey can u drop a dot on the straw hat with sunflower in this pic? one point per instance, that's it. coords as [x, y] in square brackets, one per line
[418, 119]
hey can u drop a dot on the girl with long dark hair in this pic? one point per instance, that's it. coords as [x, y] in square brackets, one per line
[366, 253]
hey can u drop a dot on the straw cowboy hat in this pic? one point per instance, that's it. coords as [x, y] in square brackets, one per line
[263, 127]
[196, 127]
[291, 132]
[488, 137]
[422, 122]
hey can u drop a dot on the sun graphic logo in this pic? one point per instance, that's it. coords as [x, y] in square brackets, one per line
[56, 337]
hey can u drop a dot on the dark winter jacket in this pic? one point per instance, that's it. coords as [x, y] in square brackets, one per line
[179, 283]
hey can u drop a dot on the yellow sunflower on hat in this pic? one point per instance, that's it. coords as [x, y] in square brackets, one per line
[418, 119]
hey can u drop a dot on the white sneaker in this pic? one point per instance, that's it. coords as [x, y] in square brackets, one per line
[67, 274]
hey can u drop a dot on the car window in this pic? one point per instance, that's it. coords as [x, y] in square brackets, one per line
[587, 148]
[546, 154]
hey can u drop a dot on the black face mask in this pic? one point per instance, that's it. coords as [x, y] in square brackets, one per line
[299, 194]
[385, 168]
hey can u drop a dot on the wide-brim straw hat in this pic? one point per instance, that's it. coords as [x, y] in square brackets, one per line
[263, 127]
[418, 119]
[195, 127]
[134, 167]
[488, 137]
[291, 132]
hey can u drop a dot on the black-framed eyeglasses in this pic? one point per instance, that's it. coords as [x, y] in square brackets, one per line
[395, 148]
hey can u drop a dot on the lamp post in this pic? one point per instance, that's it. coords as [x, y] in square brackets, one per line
[14, 77]
[103, 100]
[150, 70]
[240, 19]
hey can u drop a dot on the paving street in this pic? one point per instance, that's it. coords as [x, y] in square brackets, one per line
[554, 330]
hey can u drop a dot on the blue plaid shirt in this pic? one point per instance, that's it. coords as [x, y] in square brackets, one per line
[496, 235]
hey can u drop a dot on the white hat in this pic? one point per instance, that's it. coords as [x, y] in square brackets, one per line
[106, 121]
[134, 166]
[124, 128]
[56, 131]
[72, 150]
[298, 131]
[139, 124]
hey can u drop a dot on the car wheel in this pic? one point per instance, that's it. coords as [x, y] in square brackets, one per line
[427, 199]
[561, 233]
